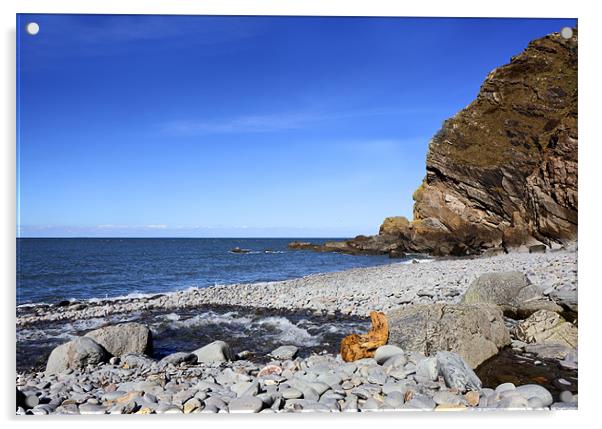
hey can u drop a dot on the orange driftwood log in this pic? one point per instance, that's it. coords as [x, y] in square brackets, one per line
[354, 346]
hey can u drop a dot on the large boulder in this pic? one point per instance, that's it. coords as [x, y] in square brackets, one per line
[77, 353]
[217, 351]
[124, 338]
[511, 290]
[547, 327]
[474, 331]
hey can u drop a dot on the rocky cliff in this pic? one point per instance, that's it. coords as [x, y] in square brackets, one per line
[503, 171]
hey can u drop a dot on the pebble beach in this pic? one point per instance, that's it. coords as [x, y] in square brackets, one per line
[216, 379]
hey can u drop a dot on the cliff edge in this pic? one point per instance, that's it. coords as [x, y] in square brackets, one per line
[501, 173]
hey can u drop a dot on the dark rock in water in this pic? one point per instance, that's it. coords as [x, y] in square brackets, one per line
[396, 253]
[503, 171]
[239, 250]
[63, 303]
[475, 332]
[301, 245]
[538, 248]
[124, 338]
[511, 290]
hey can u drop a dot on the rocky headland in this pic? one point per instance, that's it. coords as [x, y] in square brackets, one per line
[500, 174]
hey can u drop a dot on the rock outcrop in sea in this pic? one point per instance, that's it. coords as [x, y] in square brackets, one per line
[501, 173]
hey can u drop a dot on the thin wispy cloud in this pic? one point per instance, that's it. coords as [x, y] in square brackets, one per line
[272, 122]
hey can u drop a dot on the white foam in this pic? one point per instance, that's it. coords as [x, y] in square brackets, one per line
[289, 332]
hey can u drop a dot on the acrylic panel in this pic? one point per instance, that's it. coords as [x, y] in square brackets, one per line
[273, 214]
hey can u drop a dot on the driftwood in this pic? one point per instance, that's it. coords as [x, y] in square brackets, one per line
[354, 346]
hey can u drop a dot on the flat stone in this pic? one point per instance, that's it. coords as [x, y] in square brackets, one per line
[217, 351]
[284, 352]
[376, 375]
[291, 393]
[245, 404]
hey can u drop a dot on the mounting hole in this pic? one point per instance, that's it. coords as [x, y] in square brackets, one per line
[566, 32]
[32, 28]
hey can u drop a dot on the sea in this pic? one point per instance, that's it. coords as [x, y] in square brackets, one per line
[51, 270]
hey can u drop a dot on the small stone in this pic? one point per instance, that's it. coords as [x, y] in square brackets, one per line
[566, 396]
[191, 405]
[447, 398]
[217, 351]
[472, 397]
[270, 370]
[245, 404]
[377, 375]
[291, 393]
[285, 352]
[533, 390]
[504, 387]
[535, 403]
[92, 409]
[384, 353]
[427, 368]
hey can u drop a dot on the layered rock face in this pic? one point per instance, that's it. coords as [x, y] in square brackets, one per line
[502, 173]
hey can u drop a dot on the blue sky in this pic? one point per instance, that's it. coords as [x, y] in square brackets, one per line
[239, 126]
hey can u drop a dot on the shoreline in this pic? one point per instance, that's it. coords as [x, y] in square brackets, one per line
[353, 292]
